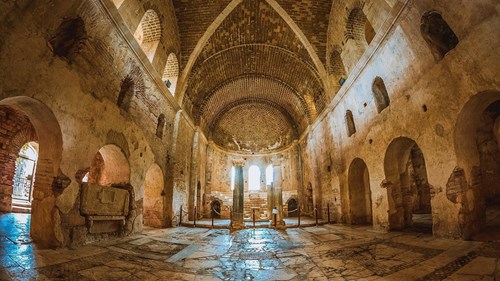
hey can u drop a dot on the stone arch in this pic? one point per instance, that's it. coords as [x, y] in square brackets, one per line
[160, 125]
[437, 34]
[477, 149]
[44, 211]
[110, 167]
[407, 185]
[350, 125]
[171, 73]
[153, 197]
[148, 33]
[360, 203]
[380, 94]
[358, 35]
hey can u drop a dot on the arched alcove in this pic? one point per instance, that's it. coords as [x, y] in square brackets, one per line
[437, 34]
[360, 203]
[127, 91]
[109, 167]
[153, 197]
[148, 33]
[380, 94]
[160, 125]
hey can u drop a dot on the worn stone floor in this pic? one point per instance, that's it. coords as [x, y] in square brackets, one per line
[326, 252]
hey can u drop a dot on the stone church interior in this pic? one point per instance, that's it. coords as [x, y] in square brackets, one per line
[249, 140]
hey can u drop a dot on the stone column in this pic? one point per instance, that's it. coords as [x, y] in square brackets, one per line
[278, 194]
[238, 195]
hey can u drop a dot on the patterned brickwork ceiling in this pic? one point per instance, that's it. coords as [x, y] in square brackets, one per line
[253, 58]
[254, 88]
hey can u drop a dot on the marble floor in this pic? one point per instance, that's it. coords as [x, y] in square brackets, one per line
[325, 252]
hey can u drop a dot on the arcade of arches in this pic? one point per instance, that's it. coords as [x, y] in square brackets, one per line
[365, 120]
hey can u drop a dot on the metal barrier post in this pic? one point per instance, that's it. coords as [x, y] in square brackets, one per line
[195, 215]
[253, 214]
[213, 215]
[316, 214]
[328, 210]
[299, 218]
[180, 216]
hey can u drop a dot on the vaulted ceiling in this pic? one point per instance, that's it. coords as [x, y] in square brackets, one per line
[253, 69]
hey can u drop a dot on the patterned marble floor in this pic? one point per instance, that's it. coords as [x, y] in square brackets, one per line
[327, 252]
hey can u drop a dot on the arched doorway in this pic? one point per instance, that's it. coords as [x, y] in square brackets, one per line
[360, 201]
[34, 122]
[216, 209]
[153, 197]
[408, 187]
[293, 208]
[477, 145]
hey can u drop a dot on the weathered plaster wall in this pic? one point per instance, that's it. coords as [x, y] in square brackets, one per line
[414, 80]
[81, 92]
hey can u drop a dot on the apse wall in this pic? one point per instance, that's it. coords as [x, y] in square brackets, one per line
[426, 97]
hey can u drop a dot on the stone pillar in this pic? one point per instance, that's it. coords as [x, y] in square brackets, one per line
[238, 195]
[278, 194]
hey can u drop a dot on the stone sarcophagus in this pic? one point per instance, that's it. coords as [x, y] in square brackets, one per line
[104, 207]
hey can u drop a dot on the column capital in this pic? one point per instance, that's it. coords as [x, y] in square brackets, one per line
[240, 162]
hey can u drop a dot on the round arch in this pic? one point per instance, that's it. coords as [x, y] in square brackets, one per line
[407, 183]
[43, 209]
[153, 197]
[110, 167]
[360, 203]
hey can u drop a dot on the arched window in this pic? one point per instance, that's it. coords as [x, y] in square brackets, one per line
[358, 27]
[254, 178]
[269, 175]
[351, 127]
[380, 94]
[233, 174]
[126, 93]
[160, 125]
[337, 67]
[438, 34]
[171, 73]
[148, 33]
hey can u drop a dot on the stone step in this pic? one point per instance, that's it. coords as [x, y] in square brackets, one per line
[20, 209]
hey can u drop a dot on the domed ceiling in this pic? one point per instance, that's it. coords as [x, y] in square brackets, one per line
[252, 69]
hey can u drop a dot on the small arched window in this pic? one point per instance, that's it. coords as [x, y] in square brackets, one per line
[351, 127]
[160, 125]
[337, 67]
[148, 33]
[126, 93]
[380, 94]
[254, 178]
[171, 73]
[437, 34]
[269, 175]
